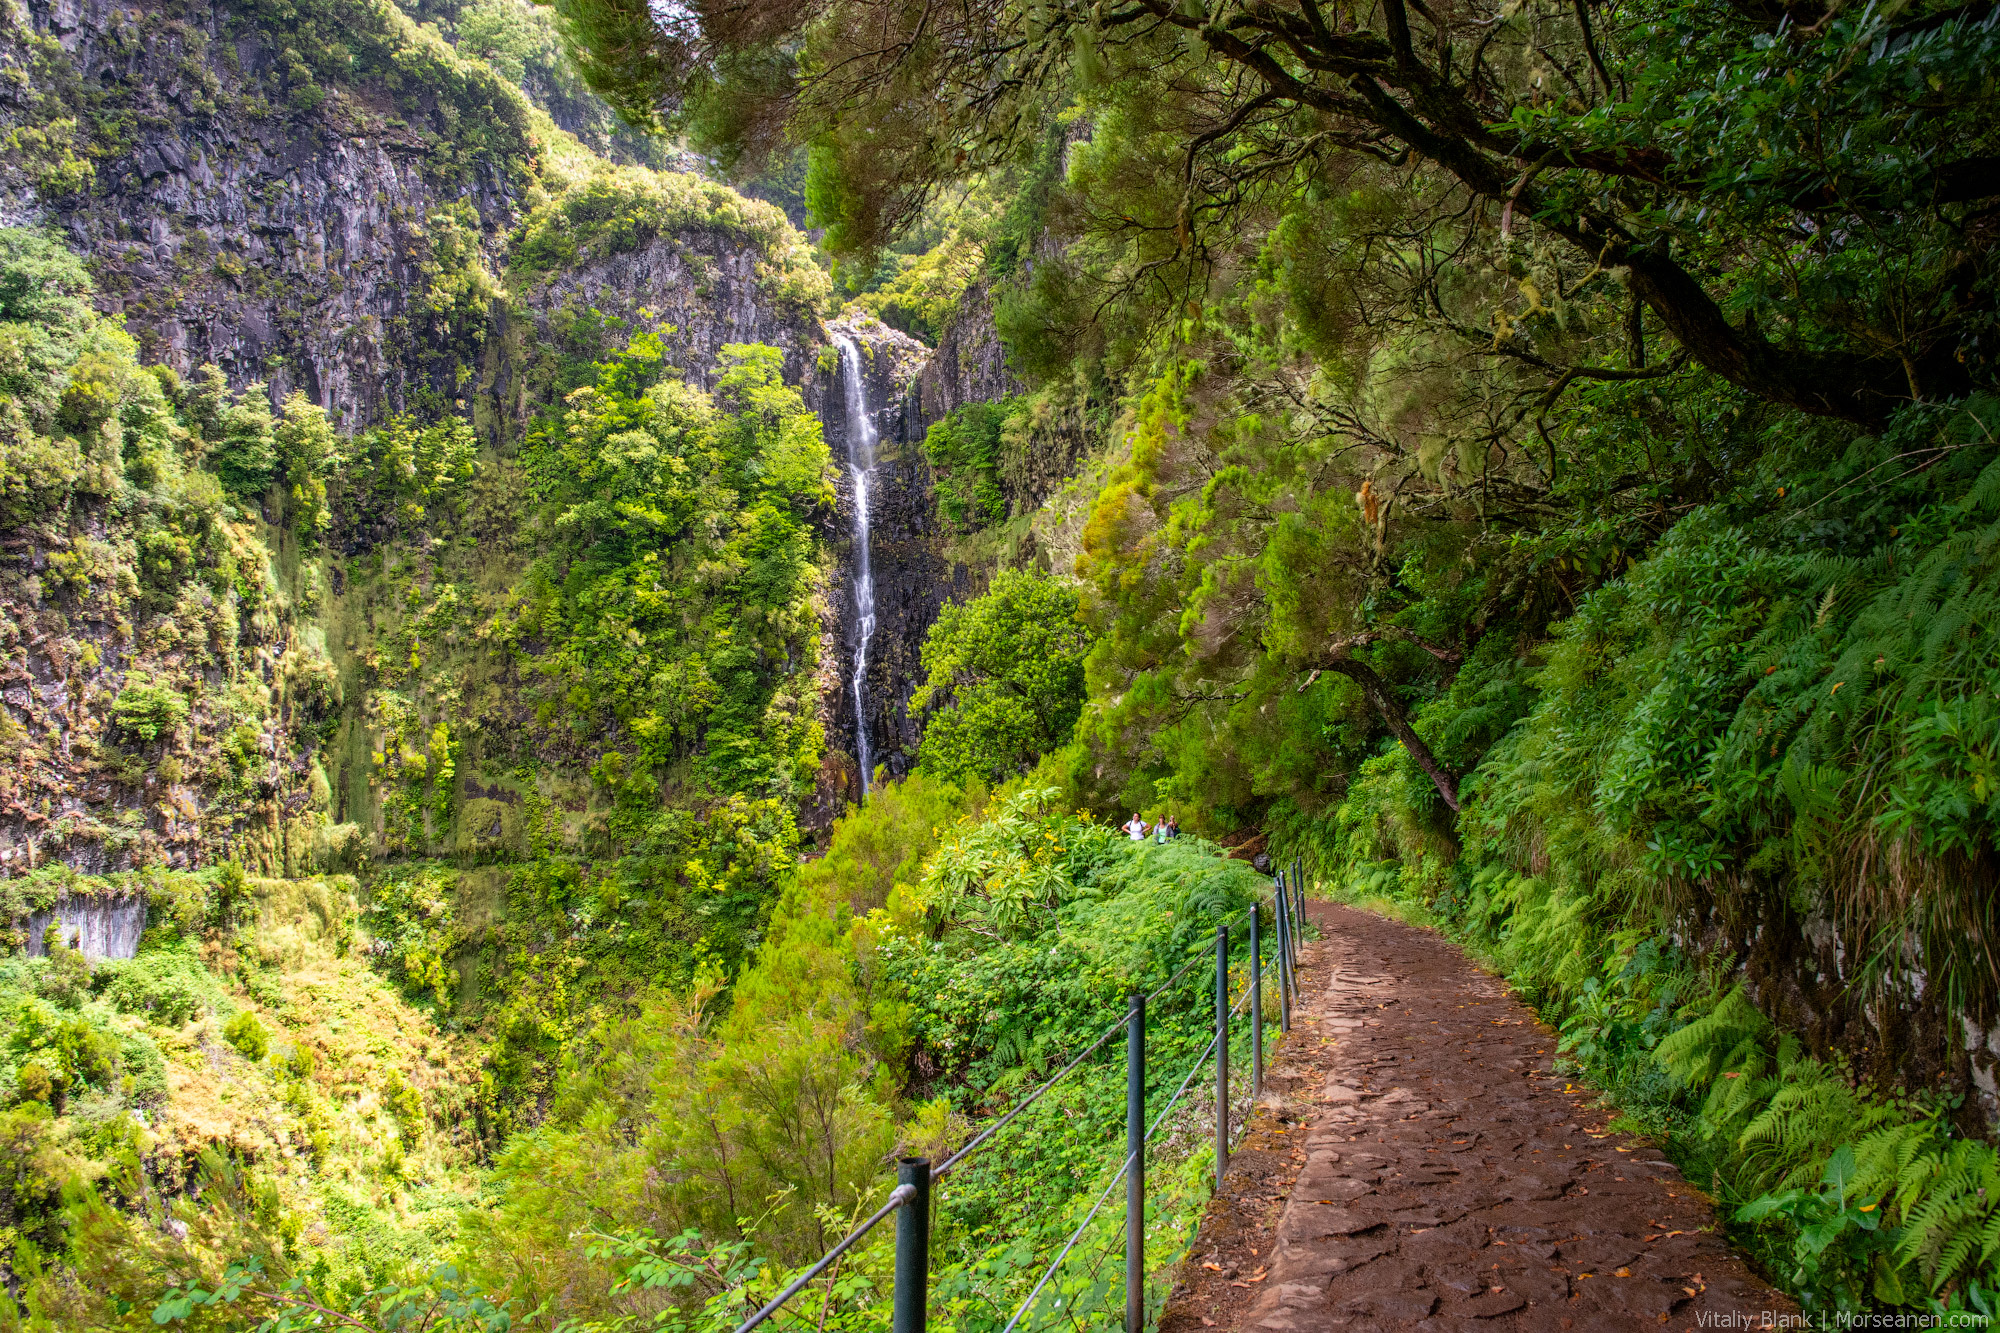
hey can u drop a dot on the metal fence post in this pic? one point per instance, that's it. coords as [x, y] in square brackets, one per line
[1256, 1006]
[1291, 923]
[1292, 932]
[1297, 922]
[1135, 1175]
[913, 1246]
[1221, 1054]
[1299, 887]
[1282, 913]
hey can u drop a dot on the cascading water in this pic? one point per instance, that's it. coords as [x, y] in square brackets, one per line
[861, 438]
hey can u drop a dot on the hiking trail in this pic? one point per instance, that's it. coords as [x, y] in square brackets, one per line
[1415, 1164]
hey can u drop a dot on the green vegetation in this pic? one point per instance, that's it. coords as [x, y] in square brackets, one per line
[1706, 744]
[681, 529]
[616, 210]
[1538, 465]
[964, 451]
[923, 294]
[250, 1097]
[1004, 679]
[1553, 490]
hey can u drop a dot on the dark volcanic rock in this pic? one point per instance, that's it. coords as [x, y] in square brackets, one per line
[913, 576]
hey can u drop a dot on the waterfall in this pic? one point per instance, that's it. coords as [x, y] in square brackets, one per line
[861, 437]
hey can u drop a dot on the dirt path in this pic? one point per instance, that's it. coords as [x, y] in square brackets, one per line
[1415, 1165]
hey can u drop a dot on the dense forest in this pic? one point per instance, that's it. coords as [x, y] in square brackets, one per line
[585, 588]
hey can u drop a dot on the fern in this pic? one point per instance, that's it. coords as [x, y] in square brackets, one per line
[1722, 1039]
[1811, 1112]
[1951, 1213]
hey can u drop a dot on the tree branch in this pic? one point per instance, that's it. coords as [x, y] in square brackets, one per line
[1379, 693]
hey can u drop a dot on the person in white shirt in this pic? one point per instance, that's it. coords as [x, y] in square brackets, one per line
[1137, 828]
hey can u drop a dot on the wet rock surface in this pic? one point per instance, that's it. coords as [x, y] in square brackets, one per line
[1416, 1164]
[914, 576]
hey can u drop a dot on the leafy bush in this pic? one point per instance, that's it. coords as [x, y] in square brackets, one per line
[247, 1035]
[1003, 678]
[55, 1053]
[166, 986]
[411, 915]
[964, 448]
[149, 707]
[45, 317]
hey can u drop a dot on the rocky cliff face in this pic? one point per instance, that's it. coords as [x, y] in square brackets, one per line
[1047, 432]
[969, 366]
[330, 207]
[244, 208]
[321, 197]
[698, 288]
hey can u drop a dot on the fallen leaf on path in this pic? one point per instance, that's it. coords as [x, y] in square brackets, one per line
[1622, 1272]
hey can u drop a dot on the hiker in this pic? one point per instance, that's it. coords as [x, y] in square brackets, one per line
[1136, 830]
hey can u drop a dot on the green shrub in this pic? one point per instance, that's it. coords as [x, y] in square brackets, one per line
[166, 986]
[149, 707]
[405, 1104]
[247, 1035]
[33, 1083]
[58, 1052]
[1004, 678]
[964, 450]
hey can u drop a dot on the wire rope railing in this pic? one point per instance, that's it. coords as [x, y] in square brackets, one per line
[911, 1198]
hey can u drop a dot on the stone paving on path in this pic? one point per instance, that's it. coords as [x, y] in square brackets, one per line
[1415, 1164]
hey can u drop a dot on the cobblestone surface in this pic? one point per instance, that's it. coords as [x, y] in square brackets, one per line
[1416, 1164]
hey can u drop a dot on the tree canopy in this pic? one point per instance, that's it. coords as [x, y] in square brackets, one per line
[1004, 676]
[1796, 198]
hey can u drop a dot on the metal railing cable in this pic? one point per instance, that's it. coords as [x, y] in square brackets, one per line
[1074, 1237]
[1085, 1054]
[899, 1196]
[918, 1176]
[1062, 1254]
[1201, 1062]
[1031, 1099]
[1206, 1052]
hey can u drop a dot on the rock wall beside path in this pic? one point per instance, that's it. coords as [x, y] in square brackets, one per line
[1416, 1164]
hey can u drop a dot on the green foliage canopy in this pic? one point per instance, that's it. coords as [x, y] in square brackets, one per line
[1003, 678]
